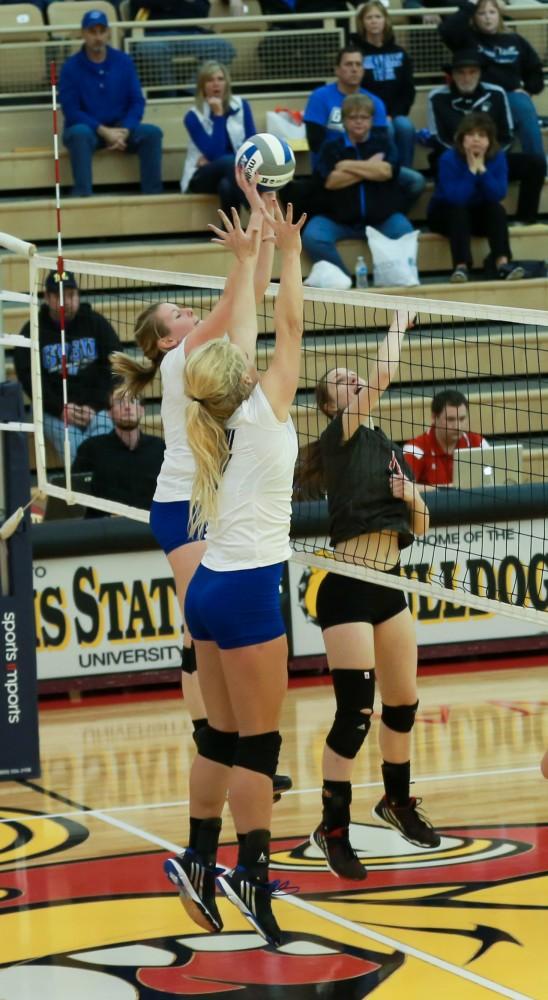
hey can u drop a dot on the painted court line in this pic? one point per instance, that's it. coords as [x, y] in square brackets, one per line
[293, 791]
[407, 949]
[366, 932]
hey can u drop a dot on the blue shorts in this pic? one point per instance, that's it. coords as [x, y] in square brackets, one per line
[169, 524]
[235, 608]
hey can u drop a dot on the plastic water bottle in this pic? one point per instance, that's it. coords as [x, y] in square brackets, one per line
[361, 273]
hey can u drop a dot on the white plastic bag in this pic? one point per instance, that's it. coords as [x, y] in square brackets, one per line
[324, 274]
[394, 261]
[286, 124]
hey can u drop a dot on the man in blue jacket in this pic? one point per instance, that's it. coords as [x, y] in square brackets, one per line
[103, 106]
[359, 173]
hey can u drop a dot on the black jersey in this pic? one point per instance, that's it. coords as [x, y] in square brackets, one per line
[357, 472]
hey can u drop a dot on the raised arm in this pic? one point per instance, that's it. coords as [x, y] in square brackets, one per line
[380, 375]
[265, 256]
[280, 381]
[235, 312]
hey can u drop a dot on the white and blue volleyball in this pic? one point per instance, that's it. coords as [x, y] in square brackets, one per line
[270, 158]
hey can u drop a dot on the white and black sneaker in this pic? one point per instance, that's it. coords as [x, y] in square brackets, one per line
[253, 897]
[407, 820]
[196, 884]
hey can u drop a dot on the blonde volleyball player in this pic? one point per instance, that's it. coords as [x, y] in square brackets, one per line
[167, 333]
[374, 511]
[245, 446]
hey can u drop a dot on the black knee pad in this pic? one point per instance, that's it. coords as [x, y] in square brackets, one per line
[400, 718]
[216, 745]
[189, 660]
[354, 691]
[259, 753]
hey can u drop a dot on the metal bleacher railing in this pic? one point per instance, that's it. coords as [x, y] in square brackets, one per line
[258, 59]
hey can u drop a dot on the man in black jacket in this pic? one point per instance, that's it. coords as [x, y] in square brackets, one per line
[90, 340]
[125, 463]
[467, 93]
[359, 172]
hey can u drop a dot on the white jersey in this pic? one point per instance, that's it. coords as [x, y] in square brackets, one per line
[254, 502]
[177, 473]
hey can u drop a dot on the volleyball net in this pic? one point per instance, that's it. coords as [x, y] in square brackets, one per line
[475, 553]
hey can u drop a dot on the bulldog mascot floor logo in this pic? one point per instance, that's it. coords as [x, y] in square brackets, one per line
[111, 928]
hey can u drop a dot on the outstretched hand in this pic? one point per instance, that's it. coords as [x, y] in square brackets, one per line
[287, 233]
[242, 244]
[249, 188]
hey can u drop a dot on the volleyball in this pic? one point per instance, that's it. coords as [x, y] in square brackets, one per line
[270, 158]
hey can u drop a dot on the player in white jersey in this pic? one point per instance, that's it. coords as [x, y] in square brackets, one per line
[167, 334]
[245, 445]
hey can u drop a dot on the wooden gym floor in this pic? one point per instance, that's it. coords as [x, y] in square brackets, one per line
[86, 912]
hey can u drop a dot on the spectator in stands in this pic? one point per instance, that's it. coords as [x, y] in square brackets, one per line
[125, 463]
[430, 455]
[465, 93]
[360, 176]
[323, 118]
[388, 73]
[90, 340]
[472, 181]
[103, 106]
[509, 61]
[322, 115]
[155, 60]
[217, 125]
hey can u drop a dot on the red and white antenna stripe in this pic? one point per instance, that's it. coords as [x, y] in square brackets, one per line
[60, 273]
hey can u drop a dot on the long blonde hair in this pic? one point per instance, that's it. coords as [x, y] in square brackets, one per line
[215, 385]
[136, 375]
[206, 71]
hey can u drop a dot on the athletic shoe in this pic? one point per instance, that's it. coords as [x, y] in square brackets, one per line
[341, 857]
[407, 820]
[254, 899]
[459, 276]
[511, 272]
[196, 884]
[280, 783]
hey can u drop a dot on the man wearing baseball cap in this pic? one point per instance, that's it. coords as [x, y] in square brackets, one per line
[466, 93]
[103, 106]
[89, 342]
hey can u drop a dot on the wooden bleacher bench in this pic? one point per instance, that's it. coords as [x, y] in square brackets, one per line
[26, 160]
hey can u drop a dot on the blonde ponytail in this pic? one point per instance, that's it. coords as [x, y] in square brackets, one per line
[215, 385]
[136, 375]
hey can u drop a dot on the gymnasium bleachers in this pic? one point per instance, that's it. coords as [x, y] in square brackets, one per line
[119, 225]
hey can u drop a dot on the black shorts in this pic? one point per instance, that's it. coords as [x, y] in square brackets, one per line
[344, 599]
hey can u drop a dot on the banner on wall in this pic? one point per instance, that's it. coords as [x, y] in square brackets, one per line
[105, 614]
[508, 569]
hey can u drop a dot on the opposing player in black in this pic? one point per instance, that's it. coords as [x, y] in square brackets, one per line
[375, 509]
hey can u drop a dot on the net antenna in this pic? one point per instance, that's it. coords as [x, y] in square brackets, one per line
[10, 525]
[60, 277]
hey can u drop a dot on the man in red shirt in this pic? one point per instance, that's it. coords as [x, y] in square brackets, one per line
[430, 456]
